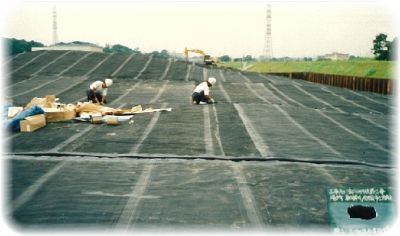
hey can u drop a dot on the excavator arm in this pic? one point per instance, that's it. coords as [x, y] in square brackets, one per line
[208, 60]
[198, 51]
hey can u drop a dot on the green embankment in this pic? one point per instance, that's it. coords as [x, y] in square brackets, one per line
[361, 68]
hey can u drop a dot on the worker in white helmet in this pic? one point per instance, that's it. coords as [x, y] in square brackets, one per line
[97, 91]
[201, 94]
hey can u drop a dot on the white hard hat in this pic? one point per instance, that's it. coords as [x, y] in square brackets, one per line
[108, 82]
[212, 80]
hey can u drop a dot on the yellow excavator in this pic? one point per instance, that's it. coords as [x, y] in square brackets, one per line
[208, 60]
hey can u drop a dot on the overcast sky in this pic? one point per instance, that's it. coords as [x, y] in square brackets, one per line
[236, 28]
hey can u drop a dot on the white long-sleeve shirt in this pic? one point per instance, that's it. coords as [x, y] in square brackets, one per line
[202, 87]
[98, 85]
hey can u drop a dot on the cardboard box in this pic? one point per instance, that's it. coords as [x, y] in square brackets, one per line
[57, 115]
[13, 111]
[32, 123]
[42, 102]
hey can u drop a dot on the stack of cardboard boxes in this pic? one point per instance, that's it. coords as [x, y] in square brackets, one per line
[54, 112]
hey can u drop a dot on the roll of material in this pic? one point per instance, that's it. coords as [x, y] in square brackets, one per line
[96, 119]
[112, 121]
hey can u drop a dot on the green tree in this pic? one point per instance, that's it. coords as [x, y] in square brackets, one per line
[81, 42]
[15, 46]
[118, 48]
[36, 44]
[162, 54]
[225, 58]
[381, 47]
[248, 58]
[121, 49]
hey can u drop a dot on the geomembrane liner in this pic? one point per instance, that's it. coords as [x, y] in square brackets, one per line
[265, 156]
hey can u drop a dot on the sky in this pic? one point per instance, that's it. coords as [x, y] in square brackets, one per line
[234, 28]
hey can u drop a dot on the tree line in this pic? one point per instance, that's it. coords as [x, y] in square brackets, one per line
[15, 46]
[383, 49]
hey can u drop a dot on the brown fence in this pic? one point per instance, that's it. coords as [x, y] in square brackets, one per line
[382, 86]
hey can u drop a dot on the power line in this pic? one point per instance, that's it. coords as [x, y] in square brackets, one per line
[55, 36]
[268, 55]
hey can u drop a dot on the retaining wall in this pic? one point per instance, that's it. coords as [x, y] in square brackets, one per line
[382, 86]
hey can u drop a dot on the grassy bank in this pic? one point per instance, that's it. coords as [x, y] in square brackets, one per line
[361, 68]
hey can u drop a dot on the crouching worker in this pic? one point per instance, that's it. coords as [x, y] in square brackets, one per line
[201, 94]
[97, 91]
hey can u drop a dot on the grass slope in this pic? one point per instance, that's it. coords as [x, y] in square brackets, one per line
[361, 68]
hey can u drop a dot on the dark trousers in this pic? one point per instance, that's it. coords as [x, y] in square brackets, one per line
[91, 96]
[199, 97]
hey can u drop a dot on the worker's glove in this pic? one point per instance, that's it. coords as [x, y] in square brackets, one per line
[212, 100]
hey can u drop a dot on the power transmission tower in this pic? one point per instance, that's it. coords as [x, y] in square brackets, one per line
[55, 37]
[268, 55]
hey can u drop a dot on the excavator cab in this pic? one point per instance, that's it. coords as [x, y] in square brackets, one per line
[208, 60]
